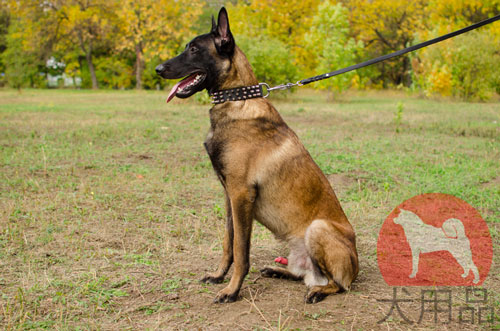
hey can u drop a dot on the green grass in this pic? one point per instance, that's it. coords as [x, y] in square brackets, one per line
[109, 205]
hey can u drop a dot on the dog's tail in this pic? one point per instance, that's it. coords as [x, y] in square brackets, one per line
[453, 228]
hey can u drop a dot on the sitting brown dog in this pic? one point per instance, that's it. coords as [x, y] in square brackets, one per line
[266, 172]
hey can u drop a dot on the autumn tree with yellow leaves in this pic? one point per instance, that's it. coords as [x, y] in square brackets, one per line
[117, 44]
[386, 26]
[465, 66]
[286, 21]
[154, 29]
[89, 23]
[151, 29]
[65, 25]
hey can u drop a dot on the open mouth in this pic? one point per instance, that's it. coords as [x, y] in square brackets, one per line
[188, 86]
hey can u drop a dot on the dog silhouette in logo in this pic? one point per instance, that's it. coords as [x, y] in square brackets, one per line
[425, 238]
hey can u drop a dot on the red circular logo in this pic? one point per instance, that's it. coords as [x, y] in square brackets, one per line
[434, 239]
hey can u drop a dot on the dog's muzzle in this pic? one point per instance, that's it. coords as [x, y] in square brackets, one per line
[160, 68]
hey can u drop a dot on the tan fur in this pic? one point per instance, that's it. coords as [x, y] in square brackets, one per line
[269, 176]
[241, 74]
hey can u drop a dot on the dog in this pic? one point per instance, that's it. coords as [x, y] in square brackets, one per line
[266, 173]
[424, 238]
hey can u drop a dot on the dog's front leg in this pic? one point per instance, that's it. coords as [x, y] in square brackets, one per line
[227, 254]
[242, 212]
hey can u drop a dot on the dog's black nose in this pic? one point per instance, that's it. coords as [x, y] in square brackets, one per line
[159, 69]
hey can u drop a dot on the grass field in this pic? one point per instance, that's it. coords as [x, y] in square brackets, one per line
[110, 211]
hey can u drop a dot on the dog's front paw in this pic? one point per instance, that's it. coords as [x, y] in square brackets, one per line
[226, 295]
[211, 279]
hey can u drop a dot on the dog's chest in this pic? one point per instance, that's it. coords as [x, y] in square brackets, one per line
[214, 148]
[229, 143]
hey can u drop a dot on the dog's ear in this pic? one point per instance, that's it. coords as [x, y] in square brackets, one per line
[224, 41]
[214, 25]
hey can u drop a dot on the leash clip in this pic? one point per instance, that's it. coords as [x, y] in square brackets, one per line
[279, 87]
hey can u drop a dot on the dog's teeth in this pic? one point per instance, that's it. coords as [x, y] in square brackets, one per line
[195, 81]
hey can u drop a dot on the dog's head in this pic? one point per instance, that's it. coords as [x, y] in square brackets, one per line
[205, 61]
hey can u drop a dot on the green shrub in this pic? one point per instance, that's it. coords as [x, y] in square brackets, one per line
[113, 73]
[475, 67]
[23, 68]
[150, 79]
[466, 66]
[334, 49]
[270, 59]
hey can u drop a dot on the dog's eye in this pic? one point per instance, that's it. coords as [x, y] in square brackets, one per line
[193, 49]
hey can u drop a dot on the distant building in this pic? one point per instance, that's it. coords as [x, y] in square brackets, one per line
[56, 77]
[63, 81]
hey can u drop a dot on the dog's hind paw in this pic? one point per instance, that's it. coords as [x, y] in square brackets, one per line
[212, 279]
[224, 296]
[277, 272]
[271, 273]
[314, 297]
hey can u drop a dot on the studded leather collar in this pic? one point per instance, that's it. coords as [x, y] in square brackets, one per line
[237, 94]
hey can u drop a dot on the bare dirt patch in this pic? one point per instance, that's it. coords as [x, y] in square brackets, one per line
[492, 183]
[340, 182]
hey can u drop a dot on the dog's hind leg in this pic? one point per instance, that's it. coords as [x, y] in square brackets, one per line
[299, 263]
[334, 258]
[227, 255]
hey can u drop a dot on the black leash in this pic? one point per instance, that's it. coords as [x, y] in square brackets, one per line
[257, 91]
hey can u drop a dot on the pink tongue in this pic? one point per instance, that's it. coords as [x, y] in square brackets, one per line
[173, 91]
[183, 83]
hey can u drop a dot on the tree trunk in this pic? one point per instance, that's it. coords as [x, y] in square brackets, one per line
[93, 76]
[88, 55]
[406, 71]
[139, 66]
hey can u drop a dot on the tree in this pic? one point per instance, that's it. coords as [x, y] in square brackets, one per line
[154, 28]
[386, 26]
[4, 28]
[60, 26]
[333, 49]
[462, 13]
[22, 66]
[287, 21]
[92, 23]
[270, 58]
[464, 66]
[29, 42]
